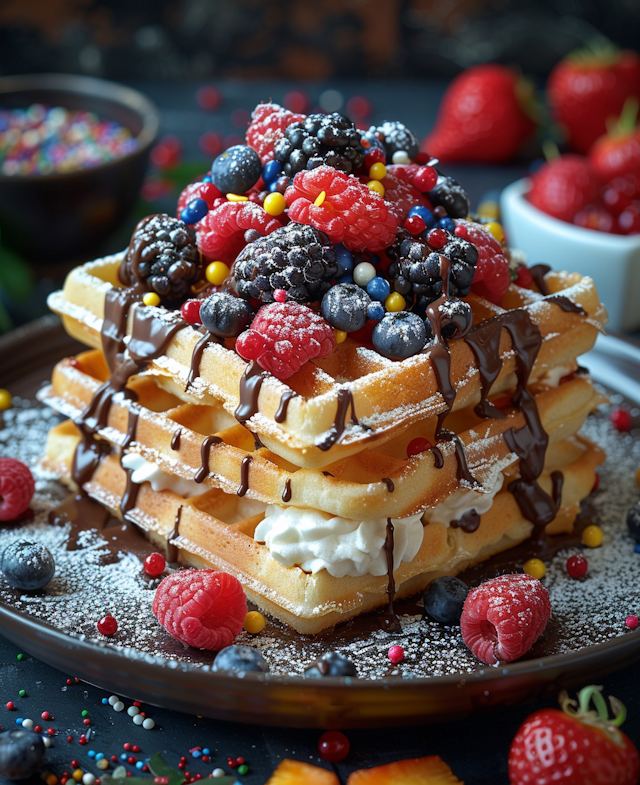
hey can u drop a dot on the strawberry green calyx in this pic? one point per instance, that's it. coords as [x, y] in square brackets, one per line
[624, 125]
[579, 710]
[598, 53]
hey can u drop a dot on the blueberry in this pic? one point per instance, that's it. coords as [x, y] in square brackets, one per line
[27, 566]
[344, 306]
[236, 170]
[21, 753]
[375, 311]
[448, 193]
[240, 659]
[331, 664]
[195, 211]
[444, 598]
[633, 521]
[344, 258]
[378, 288]
[271, 171]
[225, 315]
[399, 335]
[427, 216]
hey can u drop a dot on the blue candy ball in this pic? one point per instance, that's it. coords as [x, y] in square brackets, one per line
[448, 224]
[271, 171]
[378, 289]
[206, 178]
[195, 211]
[375, 311]
[273, 187]
[344, 257]
[427, 216]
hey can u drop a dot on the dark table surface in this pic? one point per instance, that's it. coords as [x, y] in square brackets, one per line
[475, 748]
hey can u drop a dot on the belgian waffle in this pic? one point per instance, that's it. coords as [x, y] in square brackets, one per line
[355, 399]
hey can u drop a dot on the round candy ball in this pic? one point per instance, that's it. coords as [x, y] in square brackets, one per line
[363, 273]
[225, 315]
[21, 753]
[27, 566]
[236, 170]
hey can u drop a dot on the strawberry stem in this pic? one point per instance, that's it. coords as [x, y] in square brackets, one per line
[550, 150]
[581, 711]
[626, 123]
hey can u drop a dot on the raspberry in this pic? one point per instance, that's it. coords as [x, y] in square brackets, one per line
[16, 488]
[524, 279]
[283, 336]
[349, 212]
[268, 123]
[504, 617]
[202, 608]
[206, 191]
[221, 233]
[492, 277]
[400, 195]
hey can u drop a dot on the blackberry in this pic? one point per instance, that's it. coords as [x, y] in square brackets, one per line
[397, 138]
[415, 268]
[330, 139]
[163, 257]
[296, 258]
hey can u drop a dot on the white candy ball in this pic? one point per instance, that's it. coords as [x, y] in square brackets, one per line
[88, 778]
[363, 273]
[217, 773]
[138, 719]
[118, 706]
[47, 741]
[113, 700]
[401, 157]
[148, 724]
[28, 724]
[133, 710]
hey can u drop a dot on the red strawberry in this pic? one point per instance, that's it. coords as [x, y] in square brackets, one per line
[574, 746]
[617, 154]
[594, 216]
[564, 186]
[482, 117]
[268, 123]
[504, 617]
[16, 488]
[586, 89]
[492, 276]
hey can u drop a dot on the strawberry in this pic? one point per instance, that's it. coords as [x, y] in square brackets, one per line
[482, 117]
[587, 88]
[415, 771]
[575, 746]
[564, 186]
[617, 154]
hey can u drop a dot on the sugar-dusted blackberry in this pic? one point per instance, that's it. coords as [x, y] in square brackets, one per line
[296, 258]
[330, 139]
[397, 138]
[164, 258]
[448, 193]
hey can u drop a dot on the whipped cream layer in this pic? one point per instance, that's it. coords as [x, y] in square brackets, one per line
[316, 541]
[462, 501]
[146, 471]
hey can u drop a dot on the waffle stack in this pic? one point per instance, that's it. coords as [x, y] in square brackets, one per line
[305, 489]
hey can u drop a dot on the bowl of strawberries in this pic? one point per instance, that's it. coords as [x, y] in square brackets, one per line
[587, 208]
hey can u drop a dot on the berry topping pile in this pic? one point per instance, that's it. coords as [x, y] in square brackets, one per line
[341, 231]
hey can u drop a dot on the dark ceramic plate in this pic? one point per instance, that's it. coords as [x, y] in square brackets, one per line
[26, 359]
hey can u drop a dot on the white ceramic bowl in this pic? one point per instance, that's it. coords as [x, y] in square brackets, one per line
[613, 261]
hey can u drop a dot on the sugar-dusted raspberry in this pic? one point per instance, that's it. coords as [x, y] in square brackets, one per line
[349, 212]
[207, 191]
[268, 122]
[16, 488]
[283, 336]
[400, 194]
[504, 617]
[492, 276]
[221, 233]
[203, 608]
[523, 278]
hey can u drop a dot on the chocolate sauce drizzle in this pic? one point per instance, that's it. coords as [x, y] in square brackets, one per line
[538, 272]
[286, 494]
[565, 303]
[250, 384]
[281, 414]
[345, 400]
[172, 550]
[389, 483]
[175, 439]
[205, 450]
[244, 475]
[130, 494]
[468, 521]
[390, 621]
[196, 357]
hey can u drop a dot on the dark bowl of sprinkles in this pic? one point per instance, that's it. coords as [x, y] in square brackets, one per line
[74, 151]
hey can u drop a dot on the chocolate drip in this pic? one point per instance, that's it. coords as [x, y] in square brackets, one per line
[484, 341]
[117, 304]
[257, 444]
[172, 550]
[281, 414]
[175, 439]
[250, 384]
[205, 450]
[565, 303]
[328, 474]
[132, 424]
[131, 489]
[468, 521]
[286, 494]
[538, 272]
[535, 504]
[244, 475]
[196, 357]
[438, 457]
[389, 483]
[345, 400]
[463, 472]
[391, 623]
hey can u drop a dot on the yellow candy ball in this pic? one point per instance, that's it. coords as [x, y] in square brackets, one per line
[77, 775]
[340, 335]
[395, 302]
[274, 204]
[5, 400]
[376, 185]
[592, 536]
[535, 568]
[52, 780]
[237, 198]
[217, 272]
[489, 210]
[254, 622]
[103, 764]
[496, 230]
[151, 298]
[378, 171]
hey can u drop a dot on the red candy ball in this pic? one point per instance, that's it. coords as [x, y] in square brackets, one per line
[107, 625]
[418, 445]
[621, 419]
[190, 311]
[425, 178]
[577, 566]
[209, 97]
[461, 231]
[414, 224]
[437, 238]
[396, 654]
[374, 156]
[631, 622]
[333, 746]
[209, 192]
[154, 564]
